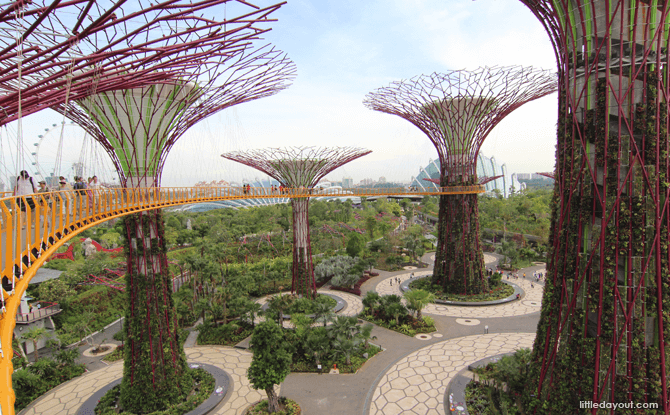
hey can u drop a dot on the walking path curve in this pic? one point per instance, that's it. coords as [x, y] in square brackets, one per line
[531, 302]
[68, 397]
[416, 384]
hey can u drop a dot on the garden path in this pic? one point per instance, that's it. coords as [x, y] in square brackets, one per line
[68, 397]
[416, 383]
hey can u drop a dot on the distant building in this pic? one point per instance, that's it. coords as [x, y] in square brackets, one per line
[367, 181]
[486, 167]
[347, 182]
[523, 176]
[382, 179]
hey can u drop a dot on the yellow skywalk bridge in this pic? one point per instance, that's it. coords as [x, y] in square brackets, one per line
[30, 235]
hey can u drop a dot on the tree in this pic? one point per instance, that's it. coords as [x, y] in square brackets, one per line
[55, 291]
[318, 343]
[355, 245]
[271, 362]
[322, 312]
[343, 346]
[344, 326]
[418, 299]
[35, 335]
[371, 301]
[371, 225]
[366, 334]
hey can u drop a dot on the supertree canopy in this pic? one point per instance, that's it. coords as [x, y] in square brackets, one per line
[58, 51]
[299, 167]
[605, 321]
[457, 110]
[137, 127]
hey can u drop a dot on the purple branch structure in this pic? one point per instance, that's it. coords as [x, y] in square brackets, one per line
[457, 110]
[299, 168]
[63, 51]
[604, 330]
[218, 68]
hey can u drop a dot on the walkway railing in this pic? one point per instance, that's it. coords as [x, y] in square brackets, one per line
[33, 227]
[38, 314]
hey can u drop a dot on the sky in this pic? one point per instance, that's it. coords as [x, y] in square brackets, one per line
[345, 49]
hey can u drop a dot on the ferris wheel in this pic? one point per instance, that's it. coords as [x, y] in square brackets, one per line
[65, 149]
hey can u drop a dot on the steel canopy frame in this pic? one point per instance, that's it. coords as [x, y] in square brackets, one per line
[299, 168]
[230, 72]
[457, 110]
[604, 328]
[65, 59]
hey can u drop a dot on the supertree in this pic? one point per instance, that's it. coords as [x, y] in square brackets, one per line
[457, 110]
[137, 127]
[299, 168]
[605, 319]
[52, 51]
[73, 49]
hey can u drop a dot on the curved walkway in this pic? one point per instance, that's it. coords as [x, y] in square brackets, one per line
[416, 384]
[353, 308]
[530, 303]
[68, 397]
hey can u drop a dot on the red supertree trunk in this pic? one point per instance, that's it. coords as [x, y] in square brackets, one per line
[459, 261]
[155, 364]
[303, 269]
[604, 327]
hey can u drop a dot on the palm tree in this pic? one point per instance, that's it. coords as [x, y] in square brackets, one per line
[371, 300]
[344, 326]
[396, 310]
[345, 347]
[418, 299]
[35, 335]
[318, 343]
[322, 312]
[366, 334]
[252, 309]
[278, 304]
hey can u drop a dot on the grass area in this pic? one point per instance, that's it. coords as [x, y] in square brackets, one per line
[302, 364]
[499, 292]
[203, 386]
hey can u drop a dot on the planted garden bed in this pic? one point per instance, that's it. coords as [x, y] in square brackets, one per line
[286, 407]
[389, 312]
[498, 291]
[203, 387]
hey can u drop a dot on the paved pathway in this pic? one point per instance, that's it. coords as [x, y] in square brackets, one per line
[416, 384]
[530, 303]
[68, 397]
[353, 308]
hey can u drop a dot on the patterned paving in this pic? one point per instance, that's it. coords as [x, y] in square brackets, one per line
[66, 399]
[530, 303]
[416, 383]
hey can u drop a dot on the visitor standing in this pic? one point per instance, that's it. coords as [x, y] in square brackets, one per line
[24, 186]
